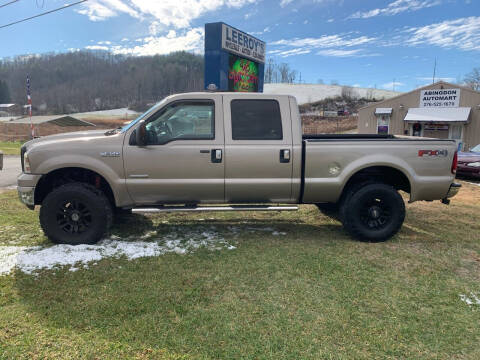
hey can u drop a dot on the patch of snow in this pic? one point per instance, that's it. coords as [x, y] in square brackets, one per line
[179, 240]
[31, 259]
[471, 299]
[471, 183]
[8, 257]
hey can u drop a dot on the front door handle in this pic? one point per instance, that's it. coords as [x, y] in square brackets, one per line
[285, 155]
[217, 156]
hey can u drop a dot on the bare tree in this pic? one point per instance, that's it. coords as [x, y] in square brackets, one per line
[334, 82]
[472, 79]
[279, 73]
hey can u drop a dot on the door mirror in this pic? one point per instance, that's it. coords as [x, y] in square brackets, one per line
[141, 133]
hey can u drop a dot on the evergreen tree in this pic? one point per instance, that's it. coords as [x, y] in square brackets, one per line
[4, 93]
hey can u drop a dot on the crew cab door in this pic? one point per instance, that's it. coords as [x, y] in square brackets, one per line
[183, 161]
[258, 149]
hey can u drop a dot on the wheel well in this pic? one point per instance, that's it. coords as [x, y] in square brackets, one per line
[63, 176]
[384, 174]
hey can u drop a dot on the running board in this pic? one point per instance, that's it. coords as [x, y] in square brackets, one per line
[213, 208]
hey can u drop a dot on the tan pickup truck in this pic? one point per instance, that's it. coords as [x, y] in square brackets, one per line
[229, 152]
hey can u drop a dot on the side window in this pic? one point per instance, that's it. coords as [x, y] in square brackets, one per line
[256, 120]
[187, 120]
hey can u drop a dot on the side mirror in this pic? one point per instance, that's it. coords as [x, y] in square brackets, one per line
[141, 133]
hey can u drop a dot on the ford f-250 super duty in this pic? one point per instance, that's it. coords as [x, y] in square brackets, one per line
[194, 150]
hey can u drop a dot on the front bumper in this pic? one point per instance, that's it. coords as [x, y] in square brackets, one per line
[26, 195]
[26, 188]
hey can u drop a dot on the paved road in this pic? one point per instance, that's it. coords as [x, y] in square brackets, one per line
[11, 169]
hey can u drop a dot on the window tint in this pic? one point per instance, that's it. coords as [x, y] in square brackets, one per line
[192, 120]
[256, 120]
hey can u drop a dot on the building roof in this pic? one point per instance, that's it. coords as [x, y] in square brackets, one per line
[60, 120]
[376, 104]
[433, 114]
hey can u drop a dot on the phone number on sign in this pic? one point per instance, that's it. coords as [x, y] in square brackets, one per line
[439, 104]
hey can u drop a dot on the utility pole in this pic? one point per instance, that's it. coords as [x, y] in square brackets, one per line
[434, 71]
[393, 86]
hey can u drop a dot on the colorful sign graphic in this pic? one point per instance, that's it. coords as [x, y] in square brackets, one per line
[242, 75]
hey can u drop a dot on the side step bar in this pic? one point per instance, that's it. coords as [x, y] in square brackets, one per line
[213, 208]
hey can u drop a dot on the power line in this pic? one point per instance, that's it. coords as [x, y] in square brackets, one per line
[42, 14]
[9, 3]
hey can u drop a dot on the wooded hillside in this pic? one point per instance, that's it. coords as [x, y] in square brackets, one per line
[87, 81]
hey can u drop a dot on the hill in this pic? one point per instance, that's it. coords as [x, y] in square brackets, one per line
[86, 81]
[309, 93]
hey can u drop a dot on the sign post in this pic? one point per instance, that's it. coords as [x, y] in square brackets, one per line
[234, 60]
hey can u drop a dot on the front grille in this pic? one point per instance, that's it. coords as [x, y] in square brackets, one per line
[23, 150]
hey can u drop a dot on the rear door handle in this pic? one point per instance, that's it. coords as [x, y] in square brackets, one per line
[285, 155]
[217, 156]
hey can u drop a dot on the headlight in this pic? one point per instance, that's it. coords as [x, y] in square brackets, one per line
[475, 164]
[26, 164]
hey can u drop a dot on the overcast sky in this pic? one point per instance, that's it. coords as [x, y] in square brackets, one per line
[361, 43]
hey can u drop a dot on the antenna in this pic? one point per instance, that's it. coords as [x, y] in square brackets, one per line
[434, 71]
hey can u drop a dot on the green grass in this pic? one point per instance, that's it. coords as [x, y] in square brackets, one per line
[311, 294]
[10, 147]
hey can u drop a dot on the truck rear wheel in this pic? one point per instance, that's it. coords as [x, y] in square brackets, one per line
[75, 213]
[373, 212]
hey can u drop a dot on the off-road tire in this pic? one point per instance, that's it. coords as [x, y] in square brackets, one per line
[68, 202]
[372, 212]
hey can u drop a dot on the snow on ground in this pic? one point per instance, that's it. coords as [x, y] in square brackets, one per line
[471, 299]
[307, 93]
[177, 240]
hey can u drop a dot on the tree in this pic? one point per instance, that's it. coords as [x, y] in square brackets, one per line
[349, 92]
[472, 79]
[279, 73]
[4, 92]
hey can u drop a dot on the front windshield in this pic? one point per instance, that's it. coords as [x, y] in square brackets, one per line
[144, 115]
[476, 149]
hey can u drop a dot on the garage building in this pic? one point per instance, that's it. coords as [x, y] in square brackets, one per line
[441, 110]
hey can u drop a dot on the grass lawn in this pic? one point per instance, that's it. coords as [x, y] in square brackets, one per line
[11, 147]
[312, 293]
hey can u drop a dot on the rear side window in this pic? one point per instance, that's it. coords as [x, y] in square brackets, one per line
[256, 120]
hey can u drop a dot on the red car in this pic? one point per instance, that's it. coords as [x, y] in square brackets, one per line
[469, 163]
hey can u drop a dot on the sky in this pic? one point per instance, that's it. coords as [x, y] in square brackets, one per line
[389, 44]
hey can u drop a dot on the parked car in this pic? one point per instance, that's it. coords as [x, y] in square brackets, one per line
[197, 149]
[469, 163]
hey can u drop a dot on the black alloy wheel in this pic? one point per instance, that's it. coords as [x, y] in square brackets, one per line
[372, 212]
[75, 213]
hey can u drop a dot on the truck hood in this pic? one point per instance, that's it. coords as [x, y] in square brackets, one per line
[71, 136]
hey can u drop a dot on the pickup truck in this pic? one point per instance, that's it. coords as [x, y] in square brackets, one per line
[213, 151]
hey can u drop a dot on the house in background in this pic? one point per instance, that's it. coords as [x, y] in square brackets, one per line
[441, 110]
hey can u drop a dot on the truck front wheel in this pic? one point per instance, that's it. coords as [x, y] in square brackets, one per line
[75, 213]
[373, 212]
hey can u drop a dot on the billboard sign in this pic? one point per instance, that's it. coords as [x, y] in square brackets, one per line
[440, 98]
[234, 60]
[242, 44]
